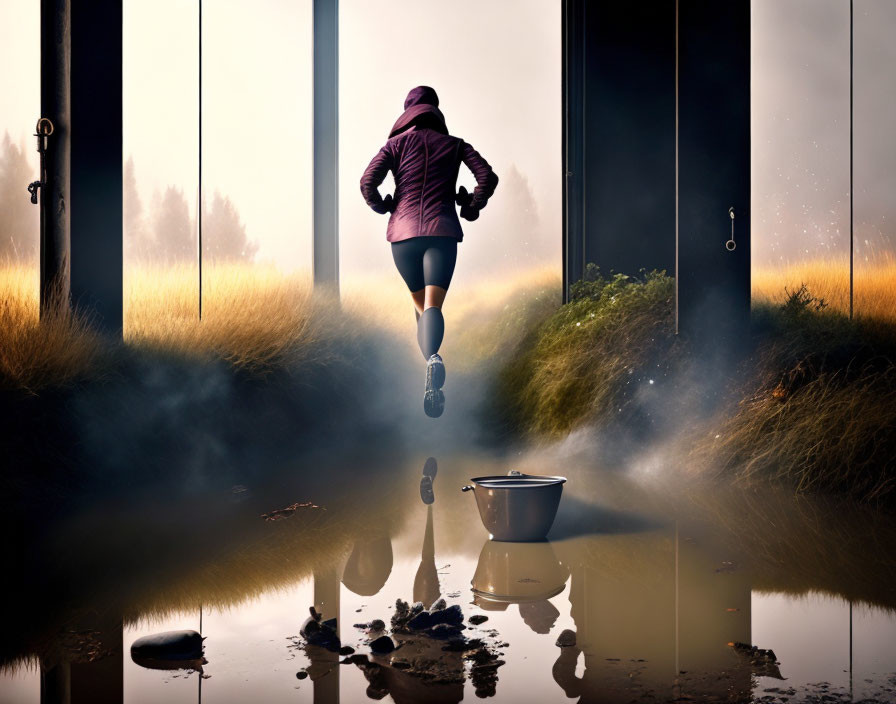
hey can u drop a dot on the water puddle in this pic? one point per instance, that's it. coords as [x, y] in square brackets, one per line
[642, 595]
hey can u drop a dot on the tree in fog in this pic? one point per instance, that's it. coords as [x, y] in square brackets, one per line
[19, 218]
[511, 216]
[520, 210]
[223, 233]
[174, 239]
[138, 244]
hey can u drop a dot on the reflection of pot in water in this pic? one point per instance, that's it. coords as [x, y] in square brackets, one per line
[517, 507]
[369, 566]
[515, 573]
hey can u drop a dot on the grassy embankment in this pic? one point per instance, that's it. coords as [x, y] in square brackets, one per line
[255, 318]
[813, 406]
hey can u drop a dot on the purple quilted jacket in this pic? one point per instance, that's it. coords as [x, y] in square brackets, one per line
[425, 160]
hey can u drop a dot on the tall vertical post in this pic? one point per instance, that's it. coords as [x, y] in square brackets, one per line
[55, 104]
[325, 243]
[96, 162]
[326, 602]
[573, 161]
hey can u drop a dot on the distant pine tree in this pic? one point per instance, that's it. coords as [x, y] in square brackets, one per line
[138, 242]
[224, 234]
[175, 240]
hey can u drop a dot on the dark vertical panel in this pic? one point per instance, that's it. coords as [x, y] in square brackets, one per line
[572, 24]
[325, 246]
[629, 143]
[55, 43]
[714, 142]
[96, 164]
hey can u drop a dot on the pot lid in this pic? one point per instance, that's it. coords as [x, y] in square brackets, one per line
[515, 480]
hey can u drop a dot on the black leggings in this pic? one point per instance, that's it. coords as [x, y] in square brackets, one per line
[425, 261]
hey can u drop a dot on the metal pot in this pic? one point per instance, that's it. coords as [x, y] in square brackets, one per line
[517, 507]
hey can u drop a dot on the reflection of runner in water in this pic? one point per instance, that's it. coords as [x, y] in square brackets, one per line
[424, 229]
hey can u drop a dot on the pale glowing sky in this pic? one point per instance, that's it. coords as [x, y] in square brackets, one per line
[496, 67]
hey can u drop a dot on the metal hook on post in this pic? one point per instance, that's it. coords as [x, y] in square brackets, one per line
[731, 245]
[42, 130]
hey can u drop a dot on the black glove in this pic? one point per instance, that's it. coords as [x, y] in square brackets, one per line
[464, 200]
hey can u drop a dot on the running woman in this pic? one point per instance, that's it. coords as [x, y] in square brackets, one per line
[423, 227]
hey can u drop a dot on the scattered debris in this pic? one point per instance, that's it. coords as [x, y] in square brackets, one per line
[281, 513]
[476, 619]
[763, 663]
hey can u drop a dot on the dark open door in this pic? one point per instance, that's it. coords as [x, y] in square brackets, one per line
[714, 169]
[656, 149]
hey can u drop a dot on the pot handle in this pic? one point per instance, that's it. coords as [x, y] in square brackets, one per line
[467, 488]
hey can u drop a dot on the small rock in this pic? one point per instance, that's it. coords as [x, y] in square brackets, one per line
[476, 619]
[382, 645]
[421, 621]
[439, 605]
[377, 625]
[346, 650]
[566, 639]
[444, 631]
[301, 674]
[170, 645]
[452, 615]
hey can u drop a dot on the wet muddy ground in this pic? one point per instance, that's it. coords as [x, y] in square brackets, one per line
[645, 591]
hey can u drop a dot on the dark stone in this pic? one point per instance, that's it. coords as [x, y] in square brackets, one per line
[452, 615]
[566, 639]
[310, 626]
[382, 645]
[346, 650]
[444, 631]
[320, 634]
[377, 625]
[421, 621]
[439, 605]
[301, 674]
[476, 619]
[169, 645]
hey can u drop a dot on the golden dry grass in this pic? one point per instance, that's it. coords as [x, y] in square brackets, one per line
[875, 284]
[35, 353]
[253, 316]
